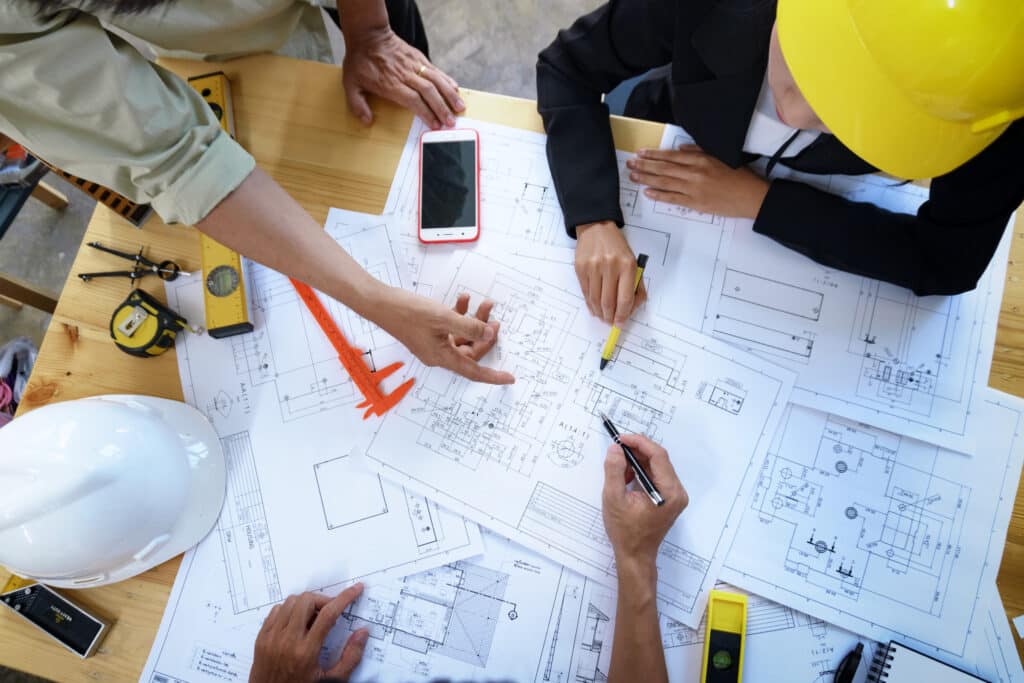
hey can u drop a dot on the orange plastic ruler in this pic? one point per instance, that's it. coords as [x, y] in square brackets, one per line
[368, 381]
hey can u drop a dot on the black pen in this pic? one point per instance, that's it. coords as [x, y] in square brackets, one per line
[641, 476]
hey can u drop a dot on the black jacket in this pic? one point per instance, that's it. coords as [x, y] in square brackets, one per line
[718, 52]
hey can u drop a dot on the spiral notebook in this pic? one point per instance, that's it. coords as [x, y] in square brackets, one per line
[896, 663]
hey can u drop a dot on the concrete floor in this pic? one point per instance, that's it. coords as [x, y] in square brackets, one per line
[484, 44]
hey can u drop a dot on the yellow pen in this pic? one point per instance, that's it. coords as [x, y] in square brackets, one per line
[613, 336]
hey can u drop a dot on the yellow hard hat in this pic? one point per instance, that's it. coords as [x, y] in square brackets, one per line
[914, 87]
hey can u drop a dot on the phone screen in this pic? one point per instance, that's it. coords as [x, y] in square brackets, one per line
[448, 195]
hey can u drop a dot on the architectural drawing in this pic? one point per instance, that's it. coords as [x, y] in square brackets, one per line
[519, 208]
[525, 459]
[878, 533]
[284, 408]
[863, 349]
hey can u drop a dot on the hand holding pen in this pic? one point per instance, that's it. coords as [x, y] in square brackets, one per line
[635, 527]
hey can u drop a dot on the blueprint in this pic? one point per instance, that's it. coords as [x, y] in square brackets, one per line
[862, 348]
[526, 460]
[299, 497]
[883, 535]
[519, 205]
[510, 614]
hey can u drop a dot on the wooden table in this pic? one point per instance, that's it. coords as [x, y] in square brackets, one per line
[292, 116]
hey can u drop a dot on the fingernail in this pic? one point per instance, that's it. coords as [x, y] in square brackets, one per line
[459, 104]
[633, 176]
[366, 120]
[488, 333]
[649, 193]
[362, 637]
[642, 153]
[631, 162]
[451, 121]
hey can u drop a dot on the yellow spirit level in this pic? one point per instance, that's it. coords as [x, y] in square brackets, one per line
[224, 281]
[723, 643]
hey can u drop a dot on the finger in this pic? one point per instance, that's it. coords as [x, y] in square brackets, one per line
[350, 656]
[685, 154]
[483, 311]
[609, 295]
[656, 459]
[461, 304]
[447, 87]
[614, 473]
[478, 350]
[664, 168]
[428, 92]
[470, 369]
[641, 296]
[662, 182]
[332, 610]
[581, 275]
[411, 99]
[270, 622]
[624, 302]
[467, 327]
[594, 298]
[302, 613]
[671, 197]
[358, 104]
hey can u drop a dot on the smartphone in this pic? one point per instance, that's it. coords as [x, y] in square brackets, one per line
[449, 193]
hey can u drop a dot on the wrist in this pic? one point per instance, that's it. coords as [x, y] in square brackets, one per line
[369, 296]
[582, 228]
[360, 30]
[637, 573]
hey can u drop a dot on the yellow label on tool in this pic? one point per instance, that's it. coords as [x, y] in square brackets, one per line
[15, 582]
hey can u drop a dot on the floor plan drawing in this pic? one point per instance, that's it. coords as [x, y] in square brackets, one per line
[519, 207]
[869, 530]
[285, 410]
[864, 349]
[525, 459]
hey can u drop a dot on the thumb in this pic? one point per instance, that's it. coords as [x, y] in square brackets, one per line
[614, 473]
[350, 656]
[468, 327]
[358, 104]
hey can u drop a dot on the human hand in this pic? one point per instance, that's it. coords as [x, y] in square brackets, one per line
[379, 62]
[606, 268]
[689, 177]
[441, 336]
[635, 526]
[288, 646]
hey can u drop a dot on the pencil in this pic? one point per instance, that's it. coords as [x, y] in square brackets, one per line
[613, 336]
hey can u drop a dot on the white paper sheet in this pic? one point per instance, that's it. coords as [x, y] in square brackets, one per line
[863, 349]
[526, 460]
[885, 536]
[992, 645]
[1018, 623]
[519, 206]
[298, 497]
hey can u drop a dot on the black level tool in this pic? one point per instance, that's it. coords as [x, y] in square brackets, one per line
[61, 619]
[142, 266]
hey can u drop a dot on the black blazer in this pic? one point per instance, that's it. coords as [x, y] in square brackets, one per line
[718, 53]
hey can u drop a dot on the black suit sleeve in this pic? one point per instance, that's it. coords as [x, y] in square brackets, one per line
[944, 249]
[617, 41]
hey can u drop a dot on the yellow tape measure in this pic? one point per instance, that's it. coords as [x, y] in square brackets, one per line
[142, 326]
[723, 643]
[224, 276]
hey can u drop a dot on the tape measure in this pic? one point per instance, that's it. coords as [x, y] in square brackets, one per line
[224, 270]
[723, 643]
[144, 327]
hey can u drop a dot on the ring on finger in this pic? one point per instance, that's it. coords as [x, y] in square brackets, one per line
[421, 70]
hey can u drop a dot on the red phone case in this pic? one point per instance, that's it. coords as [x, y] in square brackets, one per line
[419, 190]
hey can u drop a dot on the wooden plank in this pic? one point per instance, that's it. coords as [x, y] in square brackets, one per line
[292, 116]
[10, 303]
[26, 293]
[49, 195]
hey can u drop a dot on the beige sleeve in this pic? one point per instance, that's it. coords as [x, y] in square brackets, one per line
[87, 102]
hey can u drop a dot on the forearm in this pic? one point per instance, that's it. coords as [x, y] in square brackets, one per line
[637, 653]
[262, 221]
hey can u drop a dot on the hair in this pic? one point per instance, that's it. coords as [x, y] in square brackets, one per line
[43, 7]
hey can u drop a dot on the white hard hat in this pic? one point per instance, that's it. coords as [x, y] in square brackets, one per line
[100, 489]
